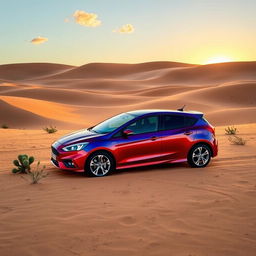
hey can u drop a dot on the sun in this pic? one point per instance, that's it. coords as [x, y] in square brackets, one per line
[218, 59]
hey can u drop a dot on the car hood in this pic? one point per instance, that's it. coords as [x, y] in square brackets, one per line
[77, 136]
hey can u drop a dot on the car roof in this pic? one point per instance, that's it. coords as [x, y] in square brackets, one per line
[163, 111]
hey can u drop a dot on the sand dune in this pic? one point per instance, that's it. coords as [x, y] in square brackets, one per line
[226, 116]
[108, 70]
[95, 84]
[238, 94]
[17, 117]
[211, 74]
[92, 92]
[30, 70]
[43, 109]
[75, 97]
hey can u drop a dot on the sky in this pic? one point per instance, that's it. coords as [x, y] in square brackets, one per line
[77, 32]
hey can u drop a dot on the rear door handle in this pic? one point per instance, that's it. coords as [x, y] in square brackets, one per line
[154, 138]
[188, 133]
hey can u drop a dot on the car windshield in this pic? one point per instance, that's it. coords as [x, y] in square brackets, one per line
[113, 123]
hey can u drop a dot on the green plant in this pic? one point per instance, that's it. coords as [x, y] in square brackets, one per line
[37, 174]
[235, 140]
[5, 126]
[50, 129]
[23, 164]
[231, 130]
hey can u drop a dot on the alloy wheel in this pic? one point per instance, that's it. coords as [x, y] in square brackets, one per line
[200, 156]
[100, 165]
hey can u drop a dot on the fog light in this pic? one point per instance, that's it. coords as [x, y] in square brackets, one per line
[69, 163]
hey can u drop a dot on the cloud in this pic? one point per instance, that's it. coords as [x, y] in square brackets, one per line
[39, 40]
[86, 19]
[125, 29]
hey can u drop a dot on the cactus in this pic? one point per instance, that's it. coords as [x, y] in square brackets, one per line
[31, 160]
[14, 170]
[16, 162]
[23, 164]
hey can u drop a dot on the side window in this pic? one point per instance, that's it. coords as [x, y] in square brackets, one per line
[190, 121]
[144, 125]
[171, 122]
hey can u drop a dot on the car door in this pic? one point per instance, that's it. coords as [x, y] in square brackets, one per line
[176, 132]
[141, 147]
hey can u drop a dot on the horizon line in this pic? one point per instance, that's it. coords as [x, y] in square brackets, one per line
[128, 63]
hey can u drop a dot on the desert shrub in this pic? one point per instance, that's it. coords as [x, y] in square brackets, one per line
[4, 126]
[23, 164]
[236, 140]
[50, 129]
[34, 176]
[231, 130]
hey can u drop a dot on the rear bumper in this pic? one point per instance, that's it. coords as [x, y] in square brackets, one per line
[215, 147]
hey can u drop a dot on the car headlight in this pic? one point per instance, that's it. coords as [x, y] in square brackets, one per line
[75, 147]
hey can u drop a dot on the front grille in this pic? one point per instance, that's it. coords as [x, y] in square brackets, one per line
[54, 151]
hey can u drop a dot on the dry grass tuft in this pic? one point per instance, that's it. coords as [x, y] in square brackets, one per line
[36, 175]
[235, 140]
[50, 129]
[231, 130]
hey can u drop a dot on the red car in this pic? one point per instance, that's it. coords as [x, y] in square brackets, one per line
[137, 138]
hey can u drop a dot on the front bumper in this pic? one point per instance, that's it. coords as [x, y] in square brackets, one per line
[73, 161]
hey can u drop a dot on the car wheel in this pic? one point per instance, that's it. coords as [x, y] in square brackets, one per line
[99, 164]
[199, 156]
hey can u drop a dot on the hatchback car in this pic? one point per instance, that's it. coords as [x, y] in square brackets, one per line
[137, 138]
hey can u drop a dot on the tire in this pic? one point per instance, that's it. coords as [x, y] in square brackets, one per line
[99, 164]
[199, 156]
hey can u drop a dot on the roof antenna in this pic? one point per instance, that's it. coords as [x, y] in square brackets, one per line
[181, 109]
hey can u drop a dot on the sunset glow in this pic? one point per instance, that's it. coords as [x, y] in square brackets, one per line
[218, 59]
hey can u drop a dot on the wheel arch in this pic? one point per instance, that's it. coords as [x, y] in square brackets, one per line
[100, 150]
[204, 143]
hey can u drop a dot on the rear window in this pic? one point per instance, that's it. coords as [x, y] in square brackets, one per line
[171, 122]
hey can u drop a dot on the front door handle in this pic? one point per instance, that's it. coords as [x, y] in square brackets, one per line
[154, 138]
[188, 133]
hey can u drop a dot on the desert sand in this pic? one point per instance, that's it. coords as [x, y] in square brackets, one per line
[157, 210]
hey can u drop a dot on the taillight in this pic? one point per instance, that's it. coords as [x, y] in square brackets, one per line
[210, 129]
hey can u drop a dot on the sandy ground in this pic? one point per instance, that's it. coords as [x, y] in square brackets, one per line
[158, 210]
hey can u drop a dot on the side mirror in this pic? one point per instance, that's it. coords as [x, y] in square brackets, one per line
[127, 132]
